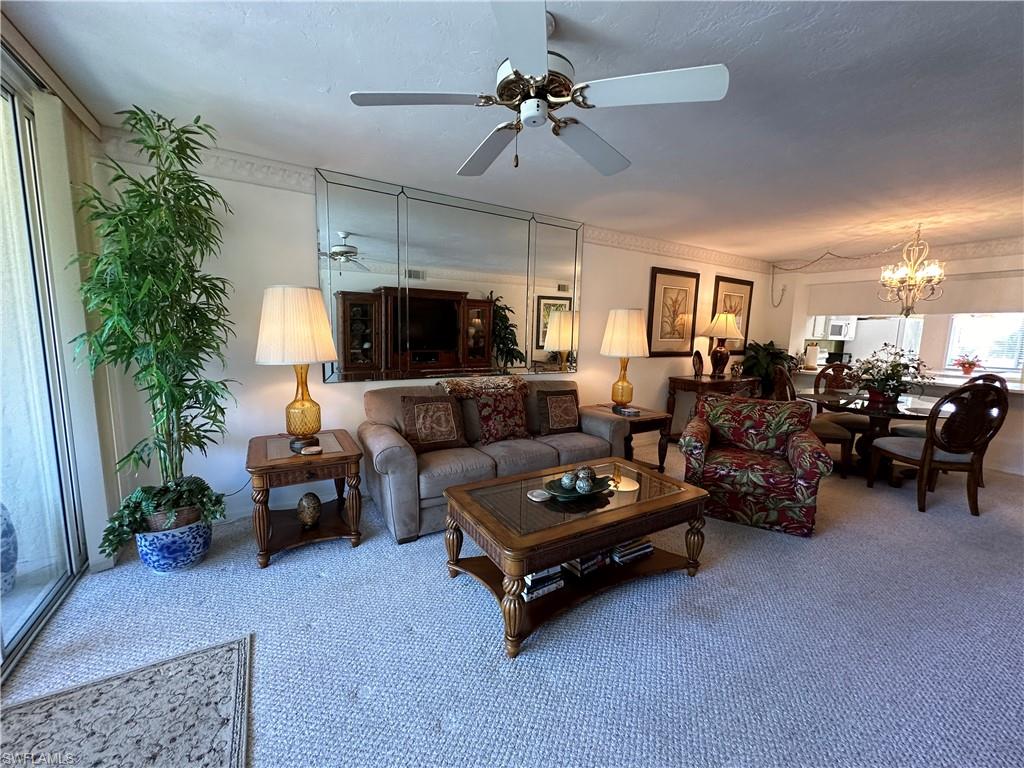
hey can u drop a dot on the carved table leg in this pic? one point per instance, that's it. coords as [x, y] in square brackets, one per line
[261, 522]
[628, 446]
[452, 544]
[694, 544]
[663, 446]
[354, 502]
[512, 608]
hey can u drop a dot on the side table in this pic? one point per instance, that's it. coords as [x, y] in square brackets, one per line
[271, 464]
[647, 421]
[749, 386]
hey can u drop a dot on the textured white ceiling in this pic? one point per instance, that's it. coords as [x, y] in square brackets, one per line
[845, 123]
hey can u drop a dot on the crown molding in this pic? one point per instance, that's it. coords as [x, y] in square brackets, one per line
[954, 252]
[631, 242]
[224, 164]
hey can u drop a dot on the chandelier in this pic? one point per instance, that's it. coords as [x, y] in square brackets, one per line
[915, 278]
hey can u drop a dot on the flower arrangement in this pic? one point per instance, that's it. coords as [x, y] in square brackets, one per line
[888, 371]
[967, 363]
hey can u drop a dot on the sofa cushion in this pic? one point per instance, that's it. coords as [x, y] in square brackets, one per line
[511, 457]
[752, 472]
[757, 425]
[384, 405]
[558, 411]
[573, 447]
[849, 421]
[451, 466]
[533, 387]
[502, 416]
[433, 423]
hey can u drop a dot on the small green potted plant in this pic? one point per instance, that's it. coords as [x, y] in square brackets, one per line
[886, 374]
[967, 363]
[163, 321]
[505, 342]
[761, 359]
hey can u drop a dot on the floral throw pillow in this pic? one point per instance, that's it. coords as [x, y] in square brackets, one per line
[559, 411]
[502, 416]
[431, 423]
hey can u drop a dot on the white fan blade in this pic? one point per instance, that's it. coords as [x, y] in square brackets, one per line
[358, 265]
[407, 98]
[673, 86]
[591, 147]
[524, 35]
[488, 150]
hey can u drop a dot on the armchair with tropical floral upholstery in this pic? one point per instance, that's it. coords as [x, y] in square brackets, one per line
[758, 460]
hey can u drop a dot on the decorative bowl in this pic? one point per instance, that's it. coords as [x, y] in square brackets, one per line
[554, 487]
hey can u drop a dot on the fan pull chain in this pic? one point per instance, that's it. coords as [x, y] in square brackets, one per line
[515, 158]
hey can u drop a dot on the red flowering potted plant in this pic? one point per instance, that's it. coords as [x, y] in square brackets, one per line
[967, 363]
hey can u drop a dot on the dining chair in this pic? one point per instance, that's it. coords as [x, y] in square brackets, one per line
[973, 415]
[838, 376]
[827, 431]
[919, 428]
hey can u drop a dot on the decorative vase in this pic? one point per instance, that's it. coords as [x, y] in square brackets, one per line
[8, 551]
[176, 549]
[308, 510]
[968, 369]
[879, 399]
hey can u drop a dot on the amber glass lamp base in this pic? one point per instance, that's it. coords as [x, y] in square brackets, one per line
[622, 390]
[302, 415]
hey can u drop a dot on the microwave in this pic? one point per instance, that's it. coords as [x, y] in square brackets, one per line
[840, 328]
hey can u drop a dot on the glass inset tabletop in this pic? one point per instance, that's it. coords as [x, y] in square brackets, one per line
[852, 401]
[509, 504]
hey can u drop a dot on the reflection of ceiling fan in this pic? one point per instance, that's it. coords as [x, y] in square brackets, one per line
[534, 82]
[344, 253]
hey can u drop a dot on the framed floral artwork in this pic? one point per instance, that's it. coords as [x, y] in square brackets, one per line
[672, 312]
[545, 306]
[733, 295]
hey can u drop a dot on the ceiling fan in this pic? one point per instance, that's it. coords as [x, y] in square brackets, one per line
[344, 253]
[535, 82]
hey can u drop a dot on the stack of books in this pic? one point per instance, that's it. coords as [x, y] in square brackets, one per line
[581, 566]
[543, 582]
[629, 551]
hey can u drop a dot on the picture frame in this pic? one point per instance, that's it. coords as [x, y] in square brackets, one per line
[733, 295]
[672, 312]
[545, 306]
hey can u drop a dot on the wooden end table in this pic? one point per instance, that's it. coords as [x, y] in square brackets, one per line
[271, 464]
[648, 421]
[520, 537]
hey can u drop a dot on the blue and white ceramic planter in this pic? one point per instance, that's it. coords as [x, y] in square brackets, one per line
[176, 549]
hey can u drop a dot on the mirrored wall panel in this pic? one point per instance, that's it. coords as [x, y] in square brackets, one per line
[420, 284]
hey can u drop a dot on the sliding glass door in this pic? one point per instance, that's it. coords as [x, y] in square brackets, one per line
[41, 547]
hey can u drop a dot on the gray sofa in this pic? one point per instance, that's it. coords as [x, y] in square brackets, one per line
[409, 488]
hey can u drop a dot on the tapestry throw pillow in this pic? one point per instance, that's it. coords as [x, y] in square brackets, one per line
[502, 416]
[431, 423]
[559, 411]
[474, 387]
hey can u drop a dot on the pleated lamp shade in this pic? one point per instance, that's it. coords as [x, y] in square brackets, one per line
[625, 334]
[559, 337]
[723, 326]
[294, 328]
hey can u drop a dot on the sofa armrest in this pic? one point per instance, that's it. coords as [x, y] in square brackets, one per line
[694, 444]
[807, 456]
[393, 459]
[607, 426]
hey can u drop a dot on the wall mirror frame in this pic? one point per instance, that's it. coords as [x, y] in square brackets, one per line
[418, 284]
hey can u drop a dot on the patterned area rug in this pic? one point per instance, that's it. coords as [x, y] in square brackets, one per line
[189, 710]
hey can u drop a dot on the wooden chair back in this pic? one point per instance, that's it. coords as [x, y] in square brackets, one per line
[834, 376]
[782, 384]
[978, 412]
[989, 378]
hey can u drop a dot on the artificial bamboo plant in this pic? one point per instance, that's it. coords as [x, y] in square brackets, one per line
[159, 316]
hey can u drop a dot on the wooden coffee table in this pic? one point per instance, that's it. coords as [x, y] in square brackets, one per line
[519, 536]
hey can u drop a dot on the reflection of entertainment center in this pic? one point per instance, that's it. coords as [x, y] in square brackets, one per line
[444, 332]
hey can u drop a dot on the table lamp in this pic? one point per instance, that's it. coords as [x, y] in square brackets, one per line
[722, 327]
[294, 330]
[625, 336]
[559, 336]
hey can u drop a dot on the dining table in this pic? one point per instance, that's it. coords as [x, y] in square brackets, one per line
[907, 407]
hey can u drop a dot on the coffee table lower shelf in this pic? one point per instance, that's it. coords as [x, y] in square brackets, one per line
[533, 614]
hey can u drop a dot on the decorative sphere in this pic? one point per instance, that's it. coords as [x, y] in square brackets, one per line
[569, 480]
[586, 471]
[584, 485]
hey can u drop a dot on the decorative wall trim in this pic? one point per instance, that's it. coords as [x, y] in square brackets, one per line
[225, 164]
[954, 252]
[630, 242]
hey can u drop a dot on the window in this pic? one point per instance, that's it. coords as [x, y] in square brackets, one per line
[997, 338]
